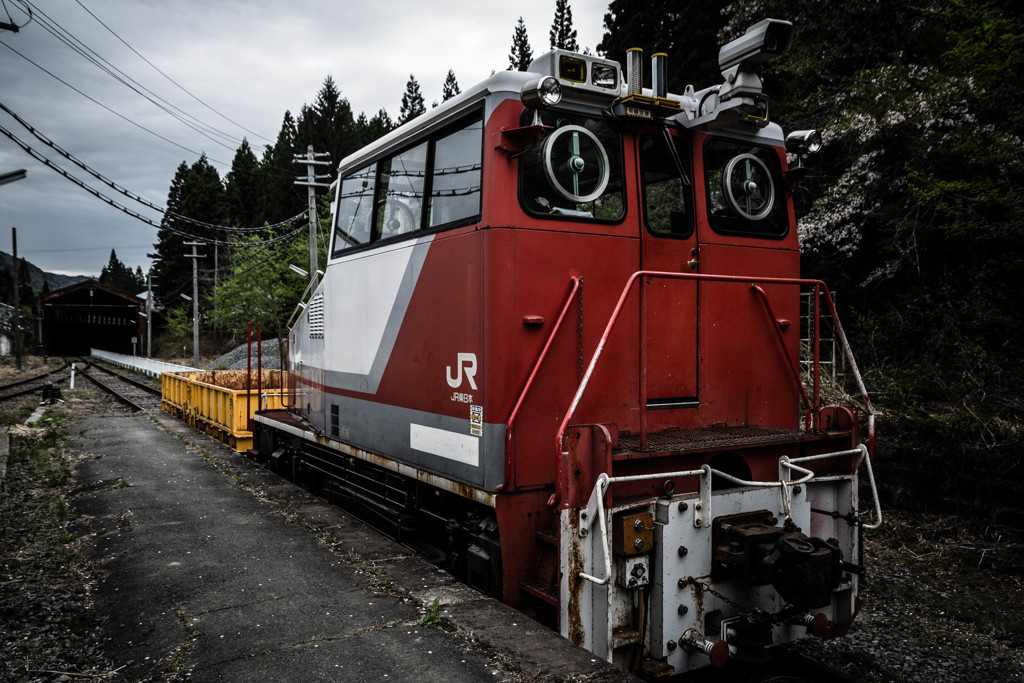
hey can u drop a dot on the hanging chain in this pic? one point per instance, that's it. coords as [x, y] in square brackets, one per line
[706, 588]
[753, 616]
[579, 354]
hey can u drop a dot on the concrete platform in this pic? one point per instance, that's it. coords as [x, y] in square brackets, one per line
[213, 568]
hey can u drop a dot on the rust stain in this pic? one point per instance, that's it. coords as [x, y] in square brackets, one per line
[575, 630]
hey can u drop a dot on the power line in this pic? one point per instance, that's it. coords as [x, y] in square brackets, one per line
[183, 89]
[124, 191]
[99, 195]
[97, 60]
[97, 102]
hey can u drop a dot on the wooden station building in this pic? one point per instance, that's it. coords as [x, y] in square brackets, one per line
[88, 315]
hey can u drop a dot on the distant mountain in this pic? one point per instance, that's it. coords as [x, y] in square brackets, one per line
[38, 276]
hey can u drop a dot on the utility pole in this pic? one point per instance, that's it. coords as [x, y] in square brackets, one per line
[195, 299]
[149, 313]
[17, 302]
[310, 159]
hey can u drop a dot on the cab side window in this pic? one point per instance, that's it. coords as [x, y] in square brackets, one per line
[354, 216]
[432, 184]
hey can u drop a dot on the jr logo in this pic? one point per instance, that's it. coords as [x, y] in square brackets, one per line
[467, 360]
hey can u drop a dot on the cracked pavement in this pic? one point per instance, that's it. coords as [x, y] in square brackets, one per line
[213, 568]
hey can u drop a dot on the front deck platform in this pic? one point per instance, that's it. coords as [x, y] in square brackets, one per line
[717, 439]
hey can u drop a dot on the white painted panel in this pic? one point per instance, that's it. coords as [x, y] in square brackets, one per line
[361, 293]
[459, 447]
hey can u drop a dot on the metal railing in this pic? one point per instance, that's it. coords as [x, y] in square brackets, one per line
[153, 368]
[703, 512]
[812, 402]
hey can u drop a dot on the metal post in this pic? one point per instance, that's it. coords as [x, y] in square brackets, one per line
[310, 181]
[311, 178]
[149, 314]
[195, 300]
[17, 302]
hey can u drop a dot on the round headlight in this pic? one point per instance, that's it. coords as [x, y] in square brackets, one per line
[803, 142]
[542, 92]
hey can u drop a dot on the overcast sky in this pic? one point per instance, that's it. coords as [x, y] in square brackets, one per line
[247, 61]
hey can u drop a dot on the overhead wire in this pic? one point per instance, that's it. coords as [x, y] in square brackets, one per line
[94, 58]
[75, 44]
[197, 125]
[115, 113]
[128, 193]
[181, 87]
[134, 214]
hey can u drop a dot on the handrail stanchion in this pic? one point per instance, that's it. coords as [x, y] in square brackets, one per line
[643, 365]
[259, 365]
[855, 370]
[507, 484]
[248, 376]
[816, 369]
[793, 366]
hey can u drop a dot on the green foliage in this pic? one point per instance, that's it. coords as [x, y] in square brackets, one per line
[562, 34]
[521, 55]
[261, 288]
[412, 102]
[686, 31]
[198, 194]
[432, 616]
[178, 327]
[451, 87]
[120, 277]
[914, 211]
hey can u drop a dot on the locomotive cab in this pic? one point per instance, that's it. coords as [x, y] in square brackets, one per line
[559, 339]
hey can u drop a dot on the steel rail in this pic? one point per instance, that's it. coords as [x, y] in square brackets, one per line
[113, 392]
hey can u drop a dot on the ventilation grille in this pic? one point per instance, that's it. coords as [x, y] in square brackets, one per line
[316, 317]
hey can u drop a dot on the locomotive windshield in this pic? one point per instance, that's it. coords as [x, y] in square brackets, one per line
[573, 170]
[666, 185]
[744, 189]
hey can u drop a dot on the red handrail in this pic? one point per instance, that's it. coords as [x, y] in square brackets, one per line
[507, 484]
[627, 289]
[811, 410]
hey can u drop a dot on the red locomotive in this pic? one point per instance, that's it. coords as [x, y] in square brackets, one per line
[557, 346]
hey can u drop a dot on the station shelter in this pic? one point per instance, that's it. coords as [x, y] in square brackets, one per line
[91, 315]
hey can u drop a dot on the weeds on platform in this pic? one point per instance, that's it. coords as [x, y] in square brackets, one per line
[52, 624]
[431, 616]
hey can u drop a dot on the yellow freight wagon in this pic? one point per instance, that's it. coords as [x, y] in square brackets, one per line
[218, 403]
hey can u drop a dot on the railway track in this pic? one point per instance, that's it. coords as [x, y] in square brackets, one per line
[135, 394]
[31, 384]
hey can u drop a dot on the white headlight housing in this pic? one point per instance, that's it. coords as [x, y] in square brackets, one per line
[541, 92]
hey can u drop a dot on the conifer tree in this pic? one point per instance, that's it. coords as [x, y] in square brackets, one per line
[451, 87]
[279, 198]
[119, 276]
[522, 54]
[562, 34]
[412, 102]
[242, 184]
[198, 194]
[328, 125]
